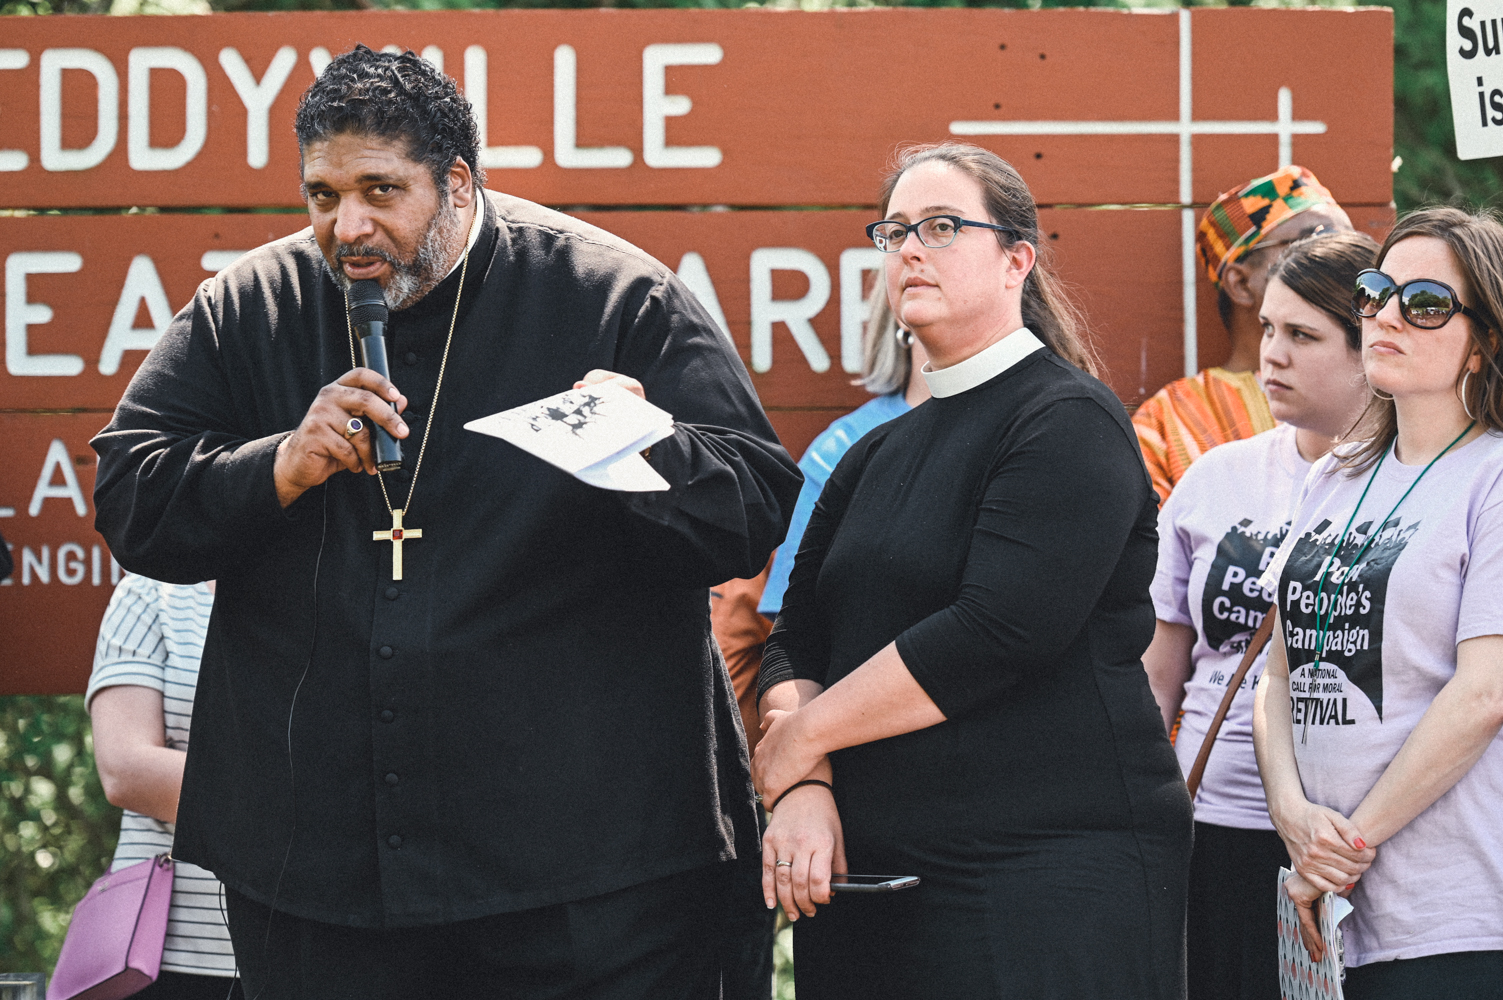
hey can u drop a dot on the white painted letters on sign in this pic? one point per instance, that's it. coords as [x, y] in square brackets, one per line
[658, 106]
[14, 159]
[794, 313]
[58, 461]
[855, 303]
[258, 96]
[1474, 63]
[693, 272]
[143, 155]
[565, 120]
[141, 285]
[20, 314]
[476, 90]
[54, 62]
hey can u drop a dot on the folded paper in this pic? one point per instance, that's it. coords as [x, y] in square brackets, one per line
[595, 434]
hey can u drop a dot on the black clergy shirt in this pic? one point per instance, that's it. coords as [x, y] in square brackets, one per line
[534, 714]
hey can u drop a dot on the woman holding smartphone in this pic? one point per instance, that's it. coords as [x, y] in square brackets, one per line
[953, 689]
[1377, 719]
[1218, 531]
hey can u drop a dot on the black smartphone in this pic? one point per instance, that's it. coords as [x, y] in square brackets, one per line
[872, 883]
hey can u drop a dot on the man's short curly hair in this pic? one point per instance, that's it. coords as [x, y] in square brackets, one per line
[389, 96]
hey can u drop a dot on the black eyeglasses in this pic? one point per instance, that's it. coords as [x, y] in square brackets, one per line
[1424, 302]
[935, 232]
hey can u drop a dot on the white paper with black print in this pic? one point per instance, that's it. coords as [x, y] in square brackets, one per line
[1300, 978]
[595, 434]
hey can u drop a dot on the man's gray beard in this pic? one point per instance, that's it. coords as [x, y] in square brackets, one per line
[409, 282]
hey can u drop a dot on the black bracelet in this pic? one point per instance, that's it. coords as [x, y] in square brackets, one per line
[799, 784]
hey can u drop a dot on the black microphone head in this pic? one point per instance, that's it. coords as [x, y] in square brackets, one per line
[367, 302]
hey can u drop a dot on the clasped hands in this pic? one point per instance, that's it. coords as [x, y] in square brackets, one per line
[323, 443]
[804, 833]
[1329, 854]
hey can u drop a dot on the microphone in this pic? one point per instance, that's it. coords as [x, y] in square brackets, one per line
[368, 314]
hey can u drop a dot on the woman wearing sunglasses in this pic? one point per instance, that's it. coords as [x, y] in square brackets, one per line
[953, 688]
[1376, 722]
[1217, 533]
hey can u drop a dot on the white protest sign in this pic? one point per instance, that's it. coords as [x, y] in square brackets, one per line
[1474, 62]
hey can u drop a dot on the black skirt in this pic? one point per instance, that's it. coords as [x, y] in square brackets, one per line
[1070, 917]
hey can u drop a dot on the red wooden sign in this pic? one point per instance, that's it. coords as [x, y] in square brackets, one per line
[1124, 123]
[715, 107]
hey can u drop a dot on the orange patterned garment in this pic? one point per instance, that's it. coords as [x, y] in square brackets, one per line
[1190, 416]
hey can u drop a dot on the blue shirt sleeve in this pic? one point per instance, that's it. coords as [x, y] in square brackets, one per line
[817, 464]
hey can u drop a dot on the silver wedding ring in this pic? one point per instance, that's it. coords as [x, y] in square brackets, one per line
[354, 426]
[783, 864]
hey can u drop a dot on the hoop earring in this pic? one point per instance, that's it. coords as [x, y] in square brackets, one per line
[1464, 406]
[1375, 392]
[903, 337]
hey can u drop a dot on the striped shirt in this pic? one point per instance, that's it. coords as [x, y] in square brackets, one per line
[153, 636]
[1190, 416]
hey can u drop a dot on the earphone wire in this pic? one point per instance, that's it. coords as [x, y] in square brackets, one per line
[225, 919]
[313, 637]
[291, 770]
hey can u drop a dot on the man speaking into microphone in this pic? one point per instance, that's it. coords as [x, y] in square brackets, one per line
[460, 730]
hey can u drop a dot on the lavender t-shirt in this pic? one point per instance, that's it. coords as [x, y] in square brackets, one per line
[1432, 578]
[1218, 532]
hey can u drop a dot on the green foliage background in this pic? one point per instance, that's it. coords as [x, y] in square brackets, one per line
[57, 833]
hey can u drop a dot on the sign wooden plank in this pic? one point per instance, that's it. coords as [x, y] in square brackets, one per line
[50, 608]
[757, 107]
[85, 296]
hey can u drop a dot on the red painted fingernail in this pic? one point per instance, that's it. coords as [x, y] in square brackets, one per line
[1350, 886]
[1361, 844]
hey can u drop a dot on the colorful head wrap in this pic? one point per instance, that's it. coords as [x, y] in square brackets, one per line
[1239, 219]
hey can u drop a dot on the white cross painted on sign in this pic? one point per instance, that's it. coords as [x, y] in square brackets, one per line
[1284, 126]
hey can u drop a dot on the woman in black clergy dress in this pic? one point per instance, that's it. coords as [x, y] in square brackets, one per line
[959, 651]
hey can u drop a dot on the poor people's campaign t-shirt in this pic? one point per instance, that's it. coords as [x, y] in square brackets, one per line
[1218, 532]
[1369, 652]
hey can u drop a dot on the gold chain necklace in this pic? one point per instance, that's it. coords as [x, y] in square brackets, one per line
[398, 534]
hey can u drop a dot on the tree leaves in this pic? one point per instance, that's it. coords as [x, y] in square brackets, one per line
[57, 832]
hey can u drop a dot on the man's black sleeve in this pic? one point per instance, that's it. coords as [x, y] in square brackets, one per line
[181, 493]
[733, 486]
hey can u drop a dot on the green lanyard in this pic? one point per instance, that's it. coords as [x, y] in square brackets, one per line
[1322, 624]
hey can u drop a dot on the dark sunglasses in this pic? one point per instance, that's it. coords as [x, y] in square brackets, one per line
[1424, 302]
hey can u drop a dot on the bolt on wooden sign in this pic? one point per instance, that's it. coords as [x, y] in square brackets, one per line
[741, 148]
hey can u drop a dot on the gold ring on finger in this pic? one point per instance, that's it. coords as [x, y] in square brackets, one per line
[352, 427]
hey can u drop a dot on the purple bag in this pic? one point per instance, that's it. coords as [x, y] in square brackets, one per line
[114, 943]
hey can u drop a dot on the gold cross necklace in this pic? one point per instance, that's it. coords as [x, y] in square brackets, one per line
[398, 534]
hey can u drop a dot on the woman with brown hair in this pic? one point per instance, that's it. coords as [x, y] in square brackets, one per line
[1376, 723]
[1217, 533]
[953, 688]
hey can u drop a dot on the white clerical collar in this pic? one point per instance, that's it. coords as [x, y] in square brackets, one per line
[983, 367]
[474, 233]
